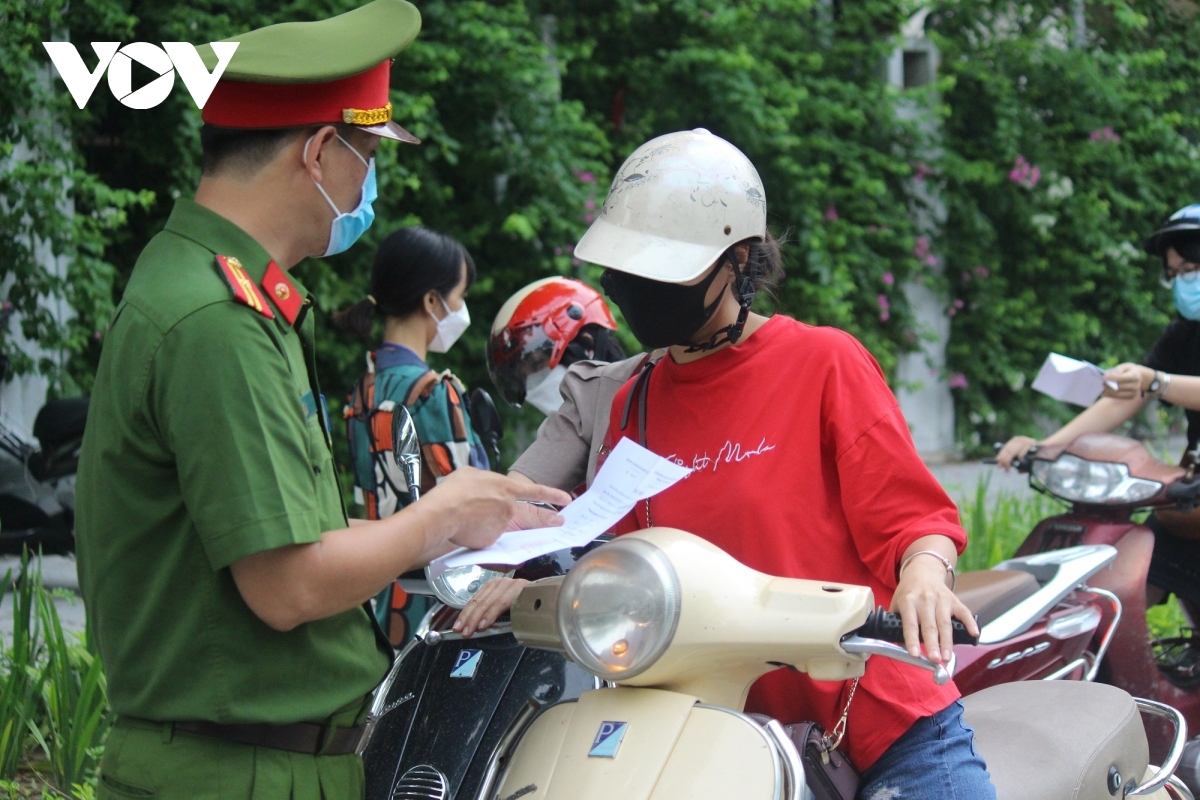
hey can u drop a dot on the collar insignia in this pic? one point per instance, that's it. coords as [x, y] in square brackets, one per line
[287, 298]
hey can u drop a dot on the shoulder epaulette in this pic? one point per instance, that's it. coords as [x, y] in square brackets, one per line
[244, 289]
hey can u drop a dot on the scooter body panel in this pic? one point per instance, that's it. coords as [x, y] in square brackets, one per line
[452, 702]
[1032, 655]
[641, 744]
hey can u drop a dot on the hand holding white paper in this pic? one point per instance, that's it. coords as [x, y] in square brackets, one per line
[631, 473]
[1071, 380]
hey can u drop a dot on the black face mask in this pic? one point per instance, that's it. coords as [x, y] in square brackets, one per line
[661, 314]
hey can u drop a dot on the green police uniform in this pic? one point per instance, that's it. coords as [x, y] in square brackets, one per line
[208, 441]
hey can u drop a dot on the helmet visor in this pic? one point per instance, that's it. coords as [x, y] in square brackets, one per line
[516, 354]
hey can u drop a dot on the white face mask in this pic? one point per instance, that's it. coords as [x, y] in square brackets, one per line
[541, 389]
[449, 327]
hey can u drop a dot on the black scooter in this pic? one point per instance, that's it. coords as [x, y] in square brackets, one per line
[37, 476]
[443, 715]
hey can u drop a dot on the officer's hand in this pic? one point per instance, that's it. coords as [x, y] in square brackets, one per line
[1015, 448]
[493, 599]
[478, 506]
[1130, 379]
[527, 515]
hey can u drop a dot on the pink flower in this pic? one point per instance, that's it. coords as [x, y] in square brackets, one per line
[97, 335]
[981, 271]
[1024, 173]
[931, 260]
[1105, 134]
[921, 249]
[959, 381]
[958, 304]
[966, 277]
[586, 177]
[831, 213]
[589, 218]
[590, 205]
[575, 262]
[558, 251]
[888, 279]
[884, 308]
[570, 248]
[921, 171]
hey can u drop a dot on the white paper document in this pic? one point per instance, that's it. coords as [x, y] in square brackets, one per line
[631, 473]
[1071, 380]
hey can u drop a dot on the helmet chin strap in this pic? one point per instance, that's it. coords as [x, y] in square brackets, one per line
[731, 333]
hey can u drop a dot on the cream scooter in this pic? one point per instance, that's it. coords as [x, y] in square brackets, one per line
[680, 631]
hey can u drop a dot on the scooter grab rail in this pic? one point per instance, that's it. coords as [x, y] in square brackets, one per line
[1169, 765]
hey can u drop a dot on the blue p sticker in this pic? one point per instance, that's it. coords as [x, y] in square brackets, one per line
[467, 664]
[608, 739]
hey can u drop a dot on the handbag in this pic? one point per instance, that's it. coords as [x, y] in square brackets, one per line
[827, 769]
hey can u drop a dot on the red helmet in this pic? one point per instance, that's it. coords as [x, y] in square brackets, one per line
[534, 327]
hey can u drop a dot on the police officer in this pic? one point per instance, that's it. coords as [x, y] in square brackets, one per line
[223, 584]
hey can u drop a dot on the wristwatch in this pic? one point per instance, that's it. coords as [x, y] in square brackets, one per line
[1159, 384]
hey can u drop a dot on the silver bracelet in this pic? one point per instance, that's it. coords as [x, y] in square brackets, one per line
[945, 563]
[1162, 387]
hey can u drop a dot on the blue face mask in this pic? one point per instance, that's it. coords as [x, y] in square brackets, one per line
[1187, 297]
[347, 228]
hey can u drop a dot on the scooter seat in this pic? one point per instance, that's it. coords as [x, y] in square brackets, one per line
[991, 592]
[1048, 740]
[60, 421]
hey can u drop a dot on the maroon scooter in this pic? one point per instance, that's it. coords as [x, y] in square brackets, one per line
[1107, 479]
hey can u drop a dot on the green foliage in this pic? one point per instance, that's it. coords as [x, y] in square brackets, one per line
[51, 204]
[20, 679]
[996, 525]
[1167, 620]
[74, 698]
[52, 696]
[797, 87]
[525, 107]
[1057, 162]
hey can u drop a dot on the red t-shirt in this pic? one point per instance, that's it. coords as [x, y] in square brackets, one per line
[803, 468]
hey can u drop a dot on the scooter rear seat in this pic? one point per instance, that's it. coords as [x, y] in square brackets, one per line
[991, 592]
[1048, 740]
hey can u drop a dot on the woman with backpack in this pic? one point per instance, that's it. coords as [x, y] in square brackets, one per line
[419, 284]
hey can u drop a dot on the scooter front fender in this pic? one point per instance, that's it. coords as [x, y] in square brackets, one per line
[642, 744]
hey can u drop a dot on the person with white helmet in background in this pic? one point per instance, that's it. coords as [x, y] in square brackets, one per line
[554, 346]
[802, 463]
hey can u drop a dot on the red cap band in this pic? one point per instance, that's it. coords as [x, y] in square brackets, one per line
[239, 104]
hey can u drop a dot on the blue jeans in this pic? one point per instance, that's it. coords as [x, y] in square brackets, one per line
[935, 759]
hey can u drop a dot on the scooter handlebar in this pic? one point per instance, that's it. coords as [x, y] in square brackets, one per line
[888, 627]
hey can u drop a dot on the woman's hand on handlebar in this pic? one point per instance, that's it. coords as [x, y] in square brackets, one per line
[1015, 448]
[926, 606]
[493, 599]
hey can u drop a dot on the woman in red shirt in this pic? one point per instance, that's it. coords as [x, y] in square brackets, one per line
[802, 462]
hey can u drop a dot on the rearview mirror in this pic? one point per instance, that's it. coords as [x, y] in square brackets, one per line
[407, 449]
[487, 423]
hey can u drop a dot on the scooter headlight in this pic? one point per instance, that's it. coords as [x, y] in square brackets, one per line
[456, 586]
[1102, 482]
[618, 608]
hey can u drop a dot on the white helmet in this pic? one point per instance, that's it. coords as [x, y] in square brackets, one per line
[677, 204]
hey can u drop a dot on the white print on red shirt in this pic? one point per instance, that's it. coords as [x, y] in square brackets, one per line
[730, 453]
